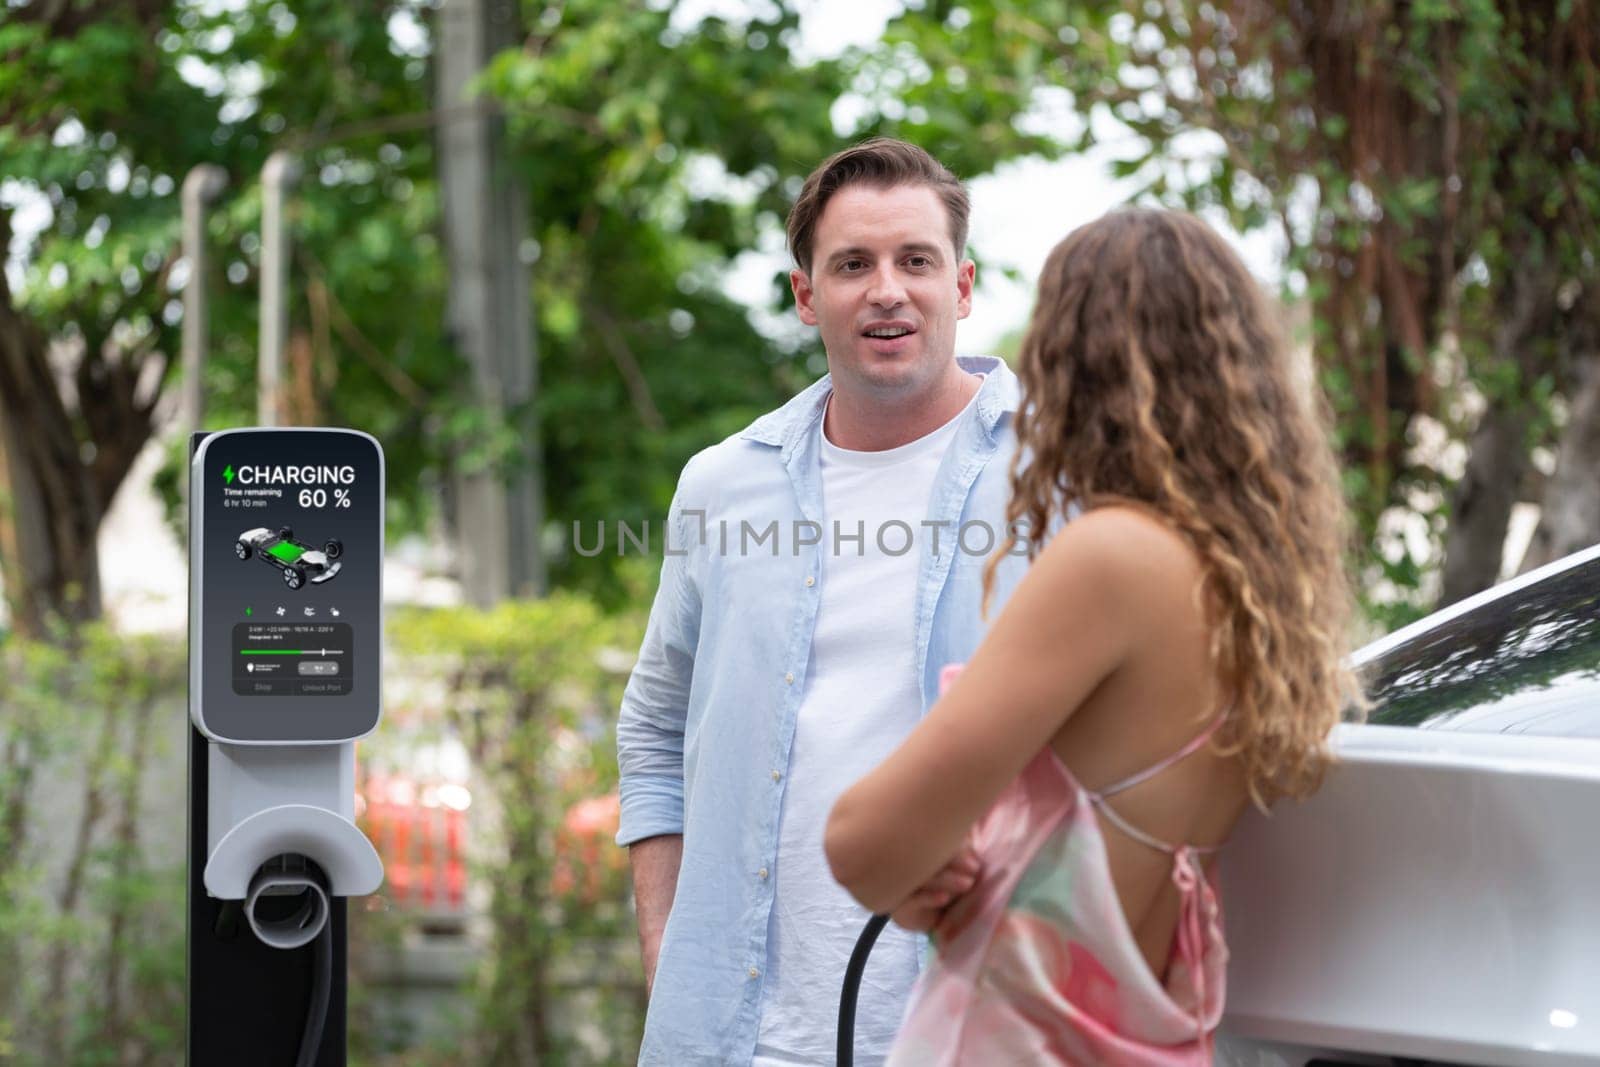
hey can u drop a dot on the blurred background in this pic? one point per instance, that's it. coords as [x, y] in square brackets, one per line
[536, 249]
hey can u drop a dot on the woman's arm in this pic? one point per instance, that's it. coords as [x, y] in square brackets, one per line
[1067, 628]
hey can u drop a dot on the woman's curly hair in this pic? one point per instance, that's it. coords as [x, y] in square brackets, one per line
[1155, 373]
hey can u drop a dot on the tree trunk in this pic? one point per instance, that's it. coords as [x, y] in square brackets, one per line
[1481, 506]
[1481, 510]
[1569, 510]
[67, 441]
[49, 511]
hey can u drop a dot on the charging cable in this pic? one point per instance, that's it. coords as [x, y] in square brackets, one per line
[317, 1010]
[852, 987]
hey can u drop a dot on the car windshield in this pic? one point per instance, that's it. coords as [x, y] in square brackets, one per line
[1526, 662]
[287, 551]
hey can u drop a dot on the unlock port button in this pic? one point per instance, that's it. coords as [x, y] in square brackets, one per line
[318, 667]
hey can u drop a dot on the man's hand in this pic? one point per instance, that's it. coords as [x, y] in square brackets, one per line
[924, 908]
[655, 882]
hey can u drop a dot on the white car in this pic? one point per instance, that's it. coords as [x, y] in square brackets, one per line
[1438, 901]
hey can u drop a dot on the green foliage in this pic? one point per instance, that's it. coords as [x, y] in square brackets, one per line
[105, 109]
[91, 957]
[94, 974]
[368, 347]
[653, 154]
[653, 157]
[1432, 168]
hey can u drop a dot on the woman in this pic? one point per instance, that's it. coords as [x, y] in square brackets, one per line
[1173, 654]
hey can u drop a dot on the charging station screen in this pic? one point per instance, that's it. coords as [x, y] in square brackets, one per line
[288, 573]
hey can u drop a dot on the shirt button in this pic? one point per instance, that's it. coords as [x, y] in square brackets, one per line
[810, 582]
[754, 973]
[788, 679]
[763, 873]
[776, 775]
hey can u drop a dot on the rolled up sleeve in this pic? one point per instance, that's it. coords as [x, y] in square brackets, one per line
[655, 703]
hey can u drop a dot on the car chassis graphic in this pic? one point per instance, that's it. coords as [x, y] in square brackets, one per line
[298, 562]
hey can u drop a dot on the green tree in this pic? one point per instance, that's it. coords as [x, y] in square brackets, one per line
[1432, 169]
[653, 153]
[103, 109]
[95, 119]
[653, 156]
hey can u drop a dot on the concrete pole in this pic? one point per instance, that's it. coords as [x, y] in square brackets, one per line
[498, 511]
[201, 188]
[282, 170]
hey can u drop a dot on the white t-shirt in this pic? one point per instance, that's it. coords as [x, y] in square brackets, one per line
[862, 698]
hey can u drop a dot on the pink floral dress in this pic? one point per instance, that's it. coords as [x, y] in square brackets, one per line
[1036, 965]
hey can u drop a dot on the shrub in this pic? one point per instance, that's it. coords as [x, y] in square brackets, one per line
[531, 689]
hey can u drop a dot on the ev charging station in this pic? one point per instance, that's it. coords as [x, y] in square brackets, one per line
[285, 643]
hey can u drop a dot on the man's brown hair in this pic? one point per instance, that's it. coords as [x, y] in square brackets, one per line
[883, 163]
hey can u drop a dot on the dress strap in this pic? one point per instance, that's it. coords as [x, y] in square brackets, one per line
[1195, 917]
[1195, 744]
[1098, 797]
[1141, 836]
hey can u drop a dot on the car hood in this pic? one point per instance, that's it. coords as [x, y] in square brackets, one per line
[1434, 900]
[1520, 658]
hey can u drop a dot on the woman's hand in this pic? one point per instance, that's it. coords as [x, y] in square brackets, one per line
[923, 909]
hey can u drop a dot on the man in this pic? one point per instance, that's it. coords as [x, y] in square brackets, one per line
[822, 566]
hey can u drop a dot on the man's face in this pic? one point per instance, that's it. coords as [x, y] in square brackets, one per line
[885, 290]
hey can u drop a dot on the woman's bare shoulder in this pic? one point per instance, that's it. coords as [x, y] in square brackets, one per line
[1126, 535]
[1136, 555]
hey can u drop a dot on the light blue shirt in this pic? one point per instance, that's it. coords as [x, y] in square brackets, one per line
[709, 712]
